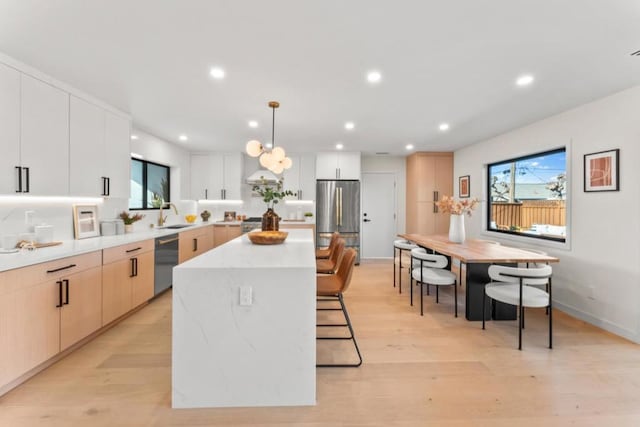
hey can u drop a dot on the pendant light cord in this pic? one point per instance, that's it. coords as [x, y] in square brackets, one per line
[273, 128]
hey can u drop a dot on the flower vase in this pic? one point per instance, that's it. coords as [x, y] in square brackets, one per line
[128, 228]
[456, 228]
[270, 221]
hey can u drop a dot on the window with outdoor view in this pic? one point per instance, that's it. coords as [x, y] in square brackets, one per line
[149, 185]
[527, 196]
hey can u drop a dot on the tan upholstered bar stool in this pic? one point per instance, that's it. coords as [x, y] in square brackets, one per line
[329, 266]
[323, 253]
[398, 247]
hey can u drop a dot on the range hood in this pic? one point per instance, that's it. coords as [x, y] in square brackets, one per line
[262, 176]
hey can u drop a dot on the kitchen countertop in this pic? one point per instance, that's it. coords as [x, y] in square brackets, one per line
[24, 258]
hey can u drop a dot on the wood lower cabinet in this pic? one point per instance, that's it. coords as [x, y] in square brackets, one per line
[46, 308]
[225, 232]
[195, 242]
[429, 177]
[127, 278]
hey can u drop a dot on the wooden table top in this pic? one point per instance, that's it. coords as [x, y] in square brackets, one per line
[478, 251]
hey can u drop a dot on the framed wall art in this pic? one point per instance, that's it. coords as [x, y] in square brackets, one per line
[464, 186]
[85, 221]
[602, 171]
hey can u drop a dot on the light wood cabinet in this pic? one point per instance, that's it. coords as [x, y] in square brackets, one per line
[44, 138]
[46, 308]
[216, 176]
[127, 278]
[429, 177]
[195, 242]
[10, 128]
[342, 165]
[225, 232]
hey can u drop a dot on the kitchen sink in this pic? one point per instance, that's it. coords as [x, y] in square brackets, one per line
[174, 226]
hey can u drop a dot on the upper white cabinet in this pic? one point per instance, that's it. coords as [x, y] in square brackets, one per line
[99, 151]
[44, 140]
[216, 176]
[9, 129]
[301, 177]
[343, 165]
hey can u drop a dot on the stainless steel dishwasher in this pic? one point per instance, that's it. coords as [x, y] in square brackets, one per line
[166, 258]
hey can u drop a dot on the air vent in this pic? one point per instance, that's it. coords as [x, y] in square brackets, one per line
[382, 153]
[636, 53]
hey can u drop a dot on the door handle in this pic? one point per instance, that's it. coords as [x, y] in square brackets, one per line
[59, 283]
[26, 181]
[133, 262]
[136, 266]
[66, 285]
[195, 245]
[164, 242]
[133, 250]
[19, 171]
[366, 220]
[435, 199]
[108, 186]
[55, 270]
[340, 202]
[104, 185]
[337, 207]
[206, 194]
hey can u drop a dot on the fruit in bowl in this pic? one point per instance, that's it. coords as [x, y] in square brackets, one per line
[190, 218]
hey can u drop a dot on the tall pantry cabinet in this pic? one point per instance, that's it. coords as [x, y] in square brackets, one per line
[429, 177]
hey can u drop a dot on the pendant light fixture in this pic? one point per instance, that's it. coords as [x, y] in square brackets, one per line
[275, 160]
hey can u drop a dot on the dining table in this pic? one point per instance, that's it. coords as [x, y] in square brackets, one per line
[477, 255]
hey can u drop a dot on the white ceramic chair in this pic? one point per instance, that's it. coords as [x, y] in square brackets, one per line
[518, 286]
[398, 247]
[431, 271]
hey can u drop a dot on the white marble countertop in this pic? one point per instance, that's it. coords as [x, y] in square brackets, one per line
[24, 258]
[241, 253]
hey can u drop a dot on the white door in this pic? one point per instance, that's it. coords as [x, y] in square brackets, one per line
[378, 214]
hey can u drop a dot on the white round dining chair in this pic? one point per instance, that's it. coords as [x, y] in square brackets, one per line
[399, 246]
[432, 271]
[518, 286]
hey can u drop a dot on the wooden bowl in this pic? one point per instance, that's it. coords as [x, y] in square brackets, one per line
[268, 237]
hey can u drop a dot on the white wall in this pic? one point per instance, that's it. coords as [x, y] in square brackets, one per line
[398, 166]
[598, 277]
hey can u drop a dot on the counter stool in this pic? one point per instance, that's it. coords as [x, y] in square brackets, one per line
[323, 253]
[329, 266]
[431, 271]
[398, 247]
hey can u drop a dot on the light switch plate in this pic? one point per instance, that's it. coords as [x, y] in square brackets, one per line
[246, 297]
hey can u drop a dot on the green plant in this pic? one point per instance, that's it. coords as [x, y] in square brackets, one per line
[130, 219]
[272, 194]
[308, 214]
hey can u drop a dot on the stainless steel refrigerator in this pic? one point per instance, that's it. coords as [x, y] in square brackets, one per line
[338, 209]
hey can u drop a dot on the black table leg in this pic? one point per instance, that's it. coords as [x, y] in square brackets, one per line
[477, 276]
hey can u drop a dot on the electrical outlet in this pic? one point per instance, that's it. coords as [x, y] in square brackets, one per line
[246, 295]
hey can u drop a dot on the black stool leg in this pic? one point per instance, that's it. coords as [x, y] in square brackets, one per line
[400, 274]
[394, 265]
[437, 294]
[421, 297]
[455, 297]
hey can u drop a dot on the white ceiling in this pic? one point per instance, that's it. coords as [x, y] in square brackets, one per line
[449, 61]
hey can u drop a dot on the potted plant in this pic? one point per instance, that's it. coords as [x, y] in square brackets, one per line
[205, 215]
[271, 195]
[129, 219]
[308, 216]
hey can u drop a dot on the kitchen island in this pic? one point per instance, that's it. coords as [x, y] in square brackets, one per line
[244, 325]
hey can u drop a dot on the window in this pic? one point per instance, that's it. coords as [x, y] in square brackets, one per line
[527, 196]
[149, 185]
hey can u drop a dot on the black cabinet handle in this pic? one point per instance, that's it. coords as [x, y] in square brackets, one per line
[104, 185]
[195, 245]
[66, 285]
[27, 177]
[108, 186]
[59, 282]
[55, 270]
[133, 262]
[206, 194]
[19, 170]
[134, 249]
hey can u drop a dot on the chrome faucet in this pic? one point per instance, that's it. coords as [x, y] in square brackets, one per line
[162, 219]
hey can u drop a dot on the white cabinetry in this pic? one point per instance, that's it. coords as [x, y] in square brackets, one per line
[44, 142]
[10, 129]
[216, 176]
[344, 165]
[301, 177]
[99, 151]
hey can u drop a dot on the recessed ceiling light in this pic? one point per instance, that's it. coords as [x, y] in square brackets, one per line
[253, 124]
[443, 127]
[349, 125]
[217, 73]
[524, 80]
[339, 146]
[134, 137]
[183, 138]
[374, 77]
[409, 147]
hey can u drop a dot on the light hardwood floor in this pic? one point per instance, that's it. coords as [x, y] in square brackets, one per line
[434, 370]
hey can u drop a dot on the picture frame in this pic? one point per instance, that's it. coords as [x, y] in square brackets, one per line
[602, 171]
[464, 186]
[85, 221]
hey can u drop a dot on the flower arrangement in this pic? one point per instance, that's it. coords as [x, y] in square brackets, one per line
[270, 194]
[130, 219]
[457, 207]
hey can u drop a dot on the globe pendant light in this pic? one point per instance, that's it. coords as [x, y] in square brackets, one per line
[275, 160]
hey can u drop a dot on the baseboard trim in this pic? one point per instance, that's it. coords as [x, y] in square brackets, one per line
[602, 324]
